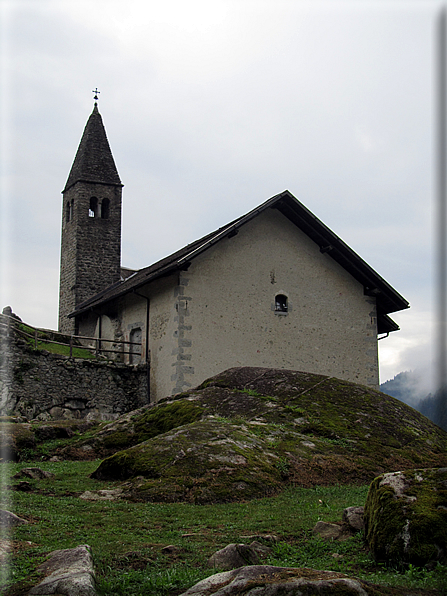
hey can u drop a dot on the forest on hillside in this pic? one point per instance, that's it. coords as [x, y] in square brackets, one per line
[405, 387]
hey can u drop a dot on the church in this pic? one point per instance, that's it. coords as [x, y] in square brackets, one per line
[274, 288]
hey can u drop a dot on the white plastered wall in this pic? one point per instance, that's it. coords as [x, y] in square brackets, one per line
[133, 309]
[227, 312]
[163, 330]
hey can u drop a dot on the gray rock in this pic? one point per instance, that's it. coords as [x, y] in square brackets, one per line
[35, 473]
[257, 537]
[353, 517]
[8, 519]
[260, 548]
[234, 555]
[69, 572]
[102, 495]
[406, 517]
[264, 580]
[329, 531]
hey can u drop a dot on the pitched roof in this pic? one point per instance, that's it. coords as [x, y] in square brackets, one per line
[388, 300]
[94, 160]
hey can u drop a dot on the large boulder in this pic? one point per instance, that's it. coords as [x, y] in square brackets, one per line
[248, 432]
[207, 461]
[336, 431]
[406, 517]
[264, 580]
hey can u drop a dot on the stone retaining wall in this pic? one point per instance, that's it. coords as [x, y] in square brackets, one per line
[37, 384]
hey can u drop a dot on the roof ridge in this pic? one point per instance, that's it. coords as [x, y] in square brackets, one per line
[388, 299]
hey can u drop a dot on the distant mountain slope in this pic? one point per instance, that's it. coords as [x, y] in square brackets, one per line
[407, 388]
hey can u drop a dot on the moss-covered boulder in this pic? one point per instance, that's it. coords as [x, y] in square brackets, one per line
[207, 461]
[319, 431]
[343, 428]
[133, 428]
[270, 428]
[406, 517]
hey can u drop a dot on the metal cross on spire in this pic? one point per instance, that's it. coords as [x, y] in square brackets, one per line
[96, 95]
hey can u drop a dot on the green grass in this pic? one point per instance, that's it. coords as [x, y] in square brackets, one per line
[64, 350]
[127, 538]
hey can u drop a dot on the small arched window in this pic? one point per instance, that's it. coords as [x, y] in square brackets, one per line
[281, 303]
[105, 208]
[93, 209]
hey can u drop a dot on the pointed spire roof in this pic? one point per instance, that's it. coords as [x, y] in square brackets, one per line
[94, 160]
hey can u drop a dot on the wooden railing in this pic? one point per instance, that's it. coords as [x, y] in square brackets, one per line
[73, 341]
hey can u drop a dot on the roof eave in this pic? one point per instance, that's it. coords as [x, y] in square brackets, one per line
[385, 324]
[91, 304]
[387, 299]
[86, 181]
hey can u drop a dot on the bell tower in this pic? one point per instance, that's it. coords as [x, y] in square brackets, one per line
[91, 222]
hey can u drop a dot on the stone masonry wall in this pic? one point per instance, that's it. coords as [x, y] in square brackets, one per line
[90, 247]
[37, 384]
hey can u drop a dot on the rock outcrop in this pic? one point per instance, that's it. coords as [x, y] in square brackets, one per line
[204, 462]
[247, 432]
[264, 580]
[406, 517]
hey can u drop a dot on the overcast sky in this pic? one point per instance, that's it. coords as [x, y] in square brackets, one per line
[211, 107]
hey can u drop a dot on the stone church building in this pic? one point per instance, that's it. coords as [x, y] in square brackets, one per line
[273, 288]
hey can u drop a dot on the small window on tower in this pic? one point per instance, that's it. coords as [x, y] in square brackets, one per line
[68, 213]
[105, 208]
[93, 209]
[281, 303]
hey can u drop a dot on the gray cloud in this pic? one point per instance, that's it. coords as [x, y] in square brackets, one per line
[210, 109]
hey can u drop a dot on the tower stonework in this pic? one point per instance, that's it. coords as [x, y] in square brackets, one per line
[91, 223]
